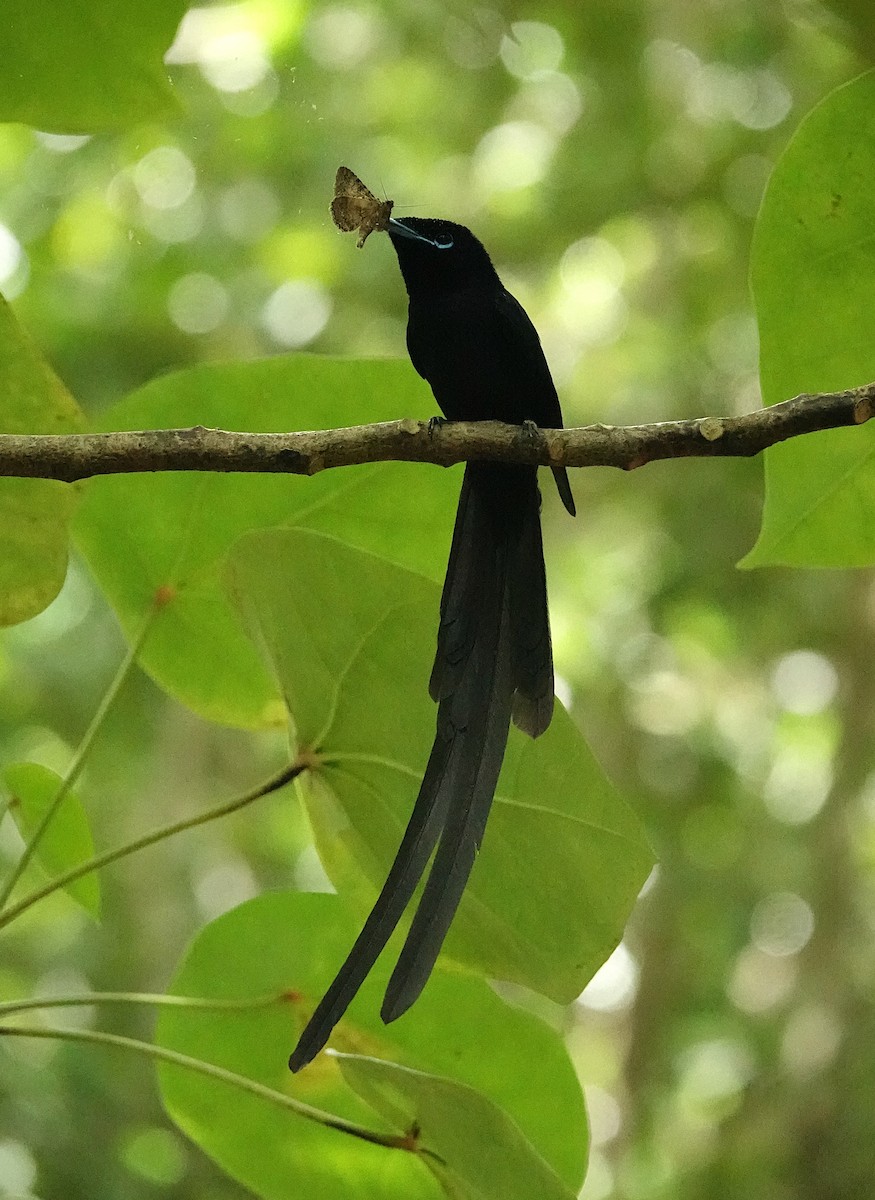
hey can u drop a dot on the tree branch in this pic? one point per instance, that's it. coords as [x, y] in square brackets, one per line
[69, 457]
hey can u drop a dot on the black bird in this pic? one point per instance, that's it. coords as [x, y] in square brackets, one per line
[475, 345]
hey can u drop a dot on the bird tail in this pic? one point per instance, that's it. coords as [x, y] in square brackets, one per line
[493, 664]
[420, 838]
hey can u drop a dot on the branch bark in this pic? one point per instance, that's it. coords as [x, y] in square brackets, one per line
[68, 457]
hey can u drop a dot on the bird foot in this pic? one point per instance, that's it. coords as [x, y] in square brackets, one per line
[435, 423]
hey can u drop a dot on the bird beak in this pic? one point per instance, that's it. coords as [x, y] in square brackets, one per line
[402, 230]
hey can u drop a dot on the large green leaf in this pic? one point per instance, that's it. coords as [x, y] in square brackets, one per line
[34, 513]
[812, 270]
[350, 637]
[67, 841]
[87, 66]
[289, 944]
[140, 533]
[481, 1155]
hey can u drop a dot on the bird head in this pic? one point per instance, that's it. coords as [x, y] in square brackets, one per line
[439, 255]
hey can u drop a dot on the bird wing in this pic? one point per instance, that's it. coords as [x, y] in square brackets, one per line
[525, 353]
[530, 626]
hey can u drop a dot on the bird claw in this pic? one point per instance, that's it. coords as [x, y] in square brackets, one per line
[530, 430]
[435, 423]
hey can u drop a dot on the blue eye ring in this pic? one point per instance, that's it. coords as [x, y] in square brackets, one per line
[445, 242]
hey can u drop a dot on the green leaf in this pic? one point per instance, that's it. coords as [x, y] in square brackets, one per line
[67, 841]
[812, 268]
[141, 533]
[289, 944]
[87, 66]
[484, 1155]
[34, 513]
[350, 637]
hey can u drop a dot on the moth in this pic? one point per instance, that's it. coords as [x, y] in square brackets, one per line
[354, 207]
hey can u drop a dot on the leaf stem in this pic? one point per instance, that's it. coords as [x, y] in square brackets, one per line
[81, 999]
[161, 1054]
[289, 772]
[75, 768]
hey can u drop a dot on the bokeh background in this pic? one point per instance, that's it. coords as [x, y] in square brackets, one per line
[612, 156]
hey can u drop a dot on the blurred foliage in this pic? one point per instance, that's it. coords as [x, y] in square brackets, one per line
[67, 841]
[77, 68]
[815, 331]
[613, 157]
[34, 513]
[349, 664]
[495, 1054]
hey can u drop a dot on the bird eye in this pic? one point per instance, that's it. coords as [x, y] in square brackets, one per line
[443, 242]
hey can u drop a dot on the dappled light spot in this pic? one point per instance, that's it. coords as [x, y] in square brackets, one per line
[599, 1182]
[590, 305]
[781, 924]
[17, 1167]
[605, 1115]
[235, 62]
[760, 983]
[756, 99]
[668, 68]
[254, 101]
[198, 303]
[226, 45]
[165, 177]
[223, 886]
[510, 156]
[798, 784]
[67, 612]
[804, 682]
[665, 703]
[614, 984]
[811, 1039]
[309, 874]
[342, 37]
[712, 1072]
[551, 99]
[297, 312]
[13, 264]
[62, 143]
[532, 49]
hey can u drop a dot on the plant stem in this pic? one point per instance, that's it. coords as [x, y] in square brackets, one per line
[161, 1054]
[79, 758]
[168, 1000]
[101, 860]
